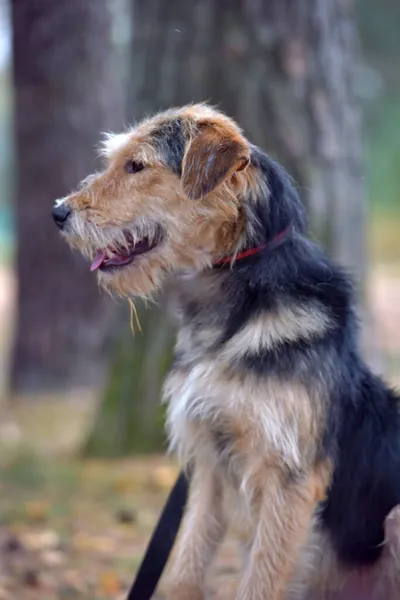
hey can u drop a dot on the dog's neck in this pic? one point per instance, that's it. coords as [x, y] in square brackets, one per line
[268, 246]
[206, 301]
[268, 207]
[272, 213]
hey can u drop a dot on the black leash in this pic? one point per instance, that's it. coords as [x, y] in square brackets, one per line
[161, 542]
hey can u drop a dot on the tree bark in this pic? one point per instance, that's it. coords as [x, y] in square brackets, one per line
[65, 95]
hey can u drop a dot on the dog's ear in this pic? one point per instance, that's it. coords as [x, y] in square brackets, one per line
[213, 154]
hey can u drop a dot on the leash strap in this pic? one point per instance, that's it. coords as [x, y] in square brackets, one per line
[161, 542]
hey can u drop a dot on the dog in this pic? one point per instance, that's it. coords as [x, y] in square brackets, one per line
[289, 435]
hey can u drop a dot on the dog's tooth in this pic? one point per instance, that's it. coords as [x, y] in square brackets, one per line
[125, 243]
[122, 239]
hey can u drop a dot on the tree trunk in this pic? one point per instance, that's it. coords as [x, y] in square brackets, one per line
[65, 95]
[284, 70]
[131, 417]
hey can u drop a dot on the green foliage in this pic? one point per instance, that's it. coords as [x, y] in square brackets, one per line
[378, 23]
[23, 470]
[383, 158]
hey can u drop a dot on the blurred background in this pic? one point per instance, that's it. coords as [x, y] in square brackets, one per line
[314, 82]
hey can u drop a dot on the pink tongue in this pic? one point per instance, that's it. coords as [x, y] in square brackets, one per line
[98, 260]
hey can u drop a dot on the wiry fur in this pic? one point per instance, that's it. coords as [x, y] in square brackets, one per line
[289, 434]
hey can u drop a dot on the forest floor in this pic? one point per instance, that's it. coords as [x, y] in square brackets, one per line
[76, 530]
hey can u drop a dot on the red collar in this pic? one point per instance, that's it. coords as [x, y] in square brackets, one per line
[274, 243]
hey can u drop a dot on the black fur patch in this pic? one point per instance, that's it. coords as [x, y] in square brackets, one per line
[283, 207]
[223, 440]
[170, 141]
[366, 483]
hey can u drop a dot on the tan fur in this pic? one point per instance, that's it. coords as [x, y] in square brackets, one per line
[288, 323]
[211, 157]
[282, 420]
[285, 513]
[270, 432]
[253, 443]
[197, 232]
[203, 529]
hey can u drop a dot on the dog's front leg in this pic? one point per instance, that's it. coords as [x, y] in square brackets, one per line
[202, 531]
[285, 513]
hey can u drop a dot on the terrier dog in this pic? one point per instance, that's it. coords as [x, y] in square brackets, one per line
[289, 434]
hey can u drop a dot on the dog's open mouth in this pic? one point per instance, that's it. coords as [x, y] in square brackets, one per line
[114, 257]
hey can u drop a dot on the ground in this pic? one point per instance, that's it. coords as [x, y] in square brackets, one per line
[74, 530]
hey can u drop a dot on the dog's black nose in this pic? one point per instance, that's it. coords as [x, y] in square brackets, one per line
[61, 214]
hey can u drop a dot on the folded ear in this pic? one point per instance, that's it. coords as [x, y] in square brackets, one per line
[212, 156]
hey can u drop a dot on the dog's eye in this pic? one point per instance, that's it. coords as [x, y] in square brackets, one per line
[132, 166]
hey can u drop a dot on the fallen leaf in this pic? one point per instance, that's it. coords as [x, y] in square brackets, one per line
[125, 515]
[104, 544]
[53, 558]
[41, 540]
[109, 583]
[37, 511]
[12, 544]
[31, 578]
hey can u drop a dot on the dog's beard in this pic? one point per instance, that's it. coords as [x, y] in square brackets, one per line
[119, 254]
[89, 238]
[141, 280]
[146, 273]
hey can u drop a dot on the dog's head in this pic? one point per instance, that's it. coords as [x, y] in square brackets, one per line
[168, 199]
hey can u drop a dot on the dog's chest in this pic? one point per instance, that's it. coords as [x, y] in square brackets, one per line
[233, 415]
